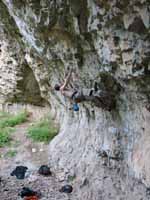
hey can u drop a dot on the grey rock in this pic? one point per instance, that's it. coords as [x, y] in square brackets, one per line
[104, 41]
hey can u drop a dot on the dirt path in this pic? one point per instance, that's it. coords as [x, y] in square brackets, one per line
[23, 151]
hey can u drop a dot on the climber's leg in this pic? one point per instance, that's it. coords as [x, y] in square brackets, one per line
[94, 89]
[75, 105]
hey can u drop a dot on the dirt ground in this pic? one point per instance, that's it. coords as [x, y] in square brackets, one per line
[23, 151]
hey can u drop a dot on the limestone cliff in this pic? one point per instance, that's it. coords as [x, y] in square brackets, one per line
[104, 152]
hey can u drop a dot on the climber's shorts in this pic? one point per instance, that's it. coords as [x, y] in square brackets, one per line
[74, 94]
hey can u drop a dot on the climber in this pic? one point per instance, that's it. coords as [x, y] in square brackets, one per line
[100, 98]
[63, 88]
[75, 95]
[67, 92]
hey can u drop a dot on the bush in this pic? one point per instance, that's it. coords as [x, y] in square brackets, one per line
[8, 120]
[5, 136]
[43, 131]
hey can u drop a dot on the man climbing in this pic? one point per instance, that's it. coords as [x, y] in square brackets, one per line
[68, 92]
[76, 95]
[63, 88]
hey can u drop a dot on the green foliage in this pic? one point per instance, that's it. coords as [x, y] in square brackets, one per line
[71, 178]
[43, 131]
[8, 120]
[11, 153]
[5, 136]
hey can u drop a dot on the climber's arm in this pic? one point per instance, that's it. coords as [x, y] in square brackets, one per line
[66, 81]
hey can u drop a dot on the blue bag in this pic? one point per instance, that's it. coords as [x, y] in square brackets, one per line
[75, 107]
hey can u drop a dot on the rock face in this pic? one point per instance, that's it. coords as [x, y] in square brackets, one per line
[104, 149]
